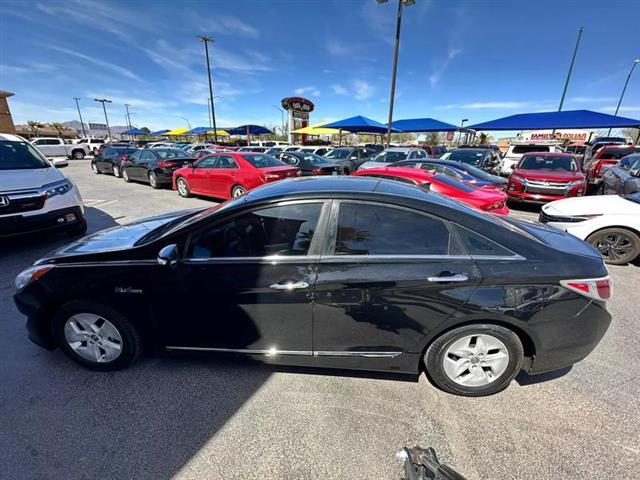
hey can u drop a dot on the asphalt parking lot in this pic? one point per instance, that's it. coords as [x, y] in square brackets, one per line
[201, 417]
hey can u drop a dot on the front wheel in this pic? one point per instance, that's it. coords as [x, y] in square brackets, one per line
[237, 191]
[96, 336]
[95, 169]
[116, 171]
[183, 188]
[474, 360]
[153, 180]
[77, 154]
[618, 246]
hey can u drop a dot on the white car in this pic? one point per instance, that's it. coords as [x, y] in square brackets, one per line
[56, 147]
[518, 149]
[93, 144]
[610, 223]
[392, 155]
[34, 194]
[318, 150]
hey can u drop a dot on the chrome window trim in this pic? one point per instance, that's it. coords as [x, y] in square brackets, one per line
[269, 259]
[108, 263]
[272, 352]
[362, 354]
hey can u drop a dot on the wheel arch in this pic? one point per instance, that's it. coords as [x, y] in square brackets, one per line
[623, 227]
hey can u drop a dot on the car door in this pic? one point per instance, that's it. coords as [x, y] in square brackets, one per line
[388, 275]
[245, 282]
[198, 177]
[43, 146]
[223, 176]
[140, 169]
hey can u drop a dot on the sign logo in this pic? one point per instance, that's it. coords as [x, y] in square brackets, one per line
[297, 104]
[4, 201]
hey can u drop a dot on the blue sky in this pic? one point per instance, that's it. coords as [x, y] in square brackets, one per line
[476, 59]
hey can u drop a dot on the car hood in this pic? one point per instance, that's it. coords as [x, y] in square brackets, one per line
[120, 237]
[550, 175]
[592, 205]
[25, 179]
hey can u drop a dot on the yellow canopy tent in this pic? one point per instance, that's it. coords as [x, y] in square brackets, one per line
[177, 131]
[317, 129]
[224, 133]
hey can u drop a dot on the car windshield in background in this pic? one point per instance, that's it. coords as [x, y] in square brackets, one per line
[518, 149]
[467, 155]
[478, 172]
[390, 157]
[617, 153]
[169, 153]
[452, 182]
[314, 159]
[339, 153]
[543, 162]
[20, 156]
[260, 160]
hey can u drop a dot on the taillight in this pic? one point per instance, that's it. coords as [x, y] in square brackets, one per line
[165, 164]
[270, 176]
[122, 158]
[596, 288]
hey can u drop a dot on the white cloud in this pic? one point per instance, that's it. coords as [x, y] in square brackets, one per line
[339, 89]
[310, 90]
[134, 102]
[335, 47]
[101, 63]
[363, 90]
[30, 67]
[442, 66]
[623, 109]
[227, 25]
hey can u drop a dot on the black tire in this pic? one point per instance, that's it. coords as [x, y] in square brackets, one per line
[183, 187]
[600, 189]
[95, 168]
[78, 229]
[604, 240]
[435, 356]
[237, 190]
[125, 175]
[77, 154]
[116, 171]
[153, 181]
[131, 340]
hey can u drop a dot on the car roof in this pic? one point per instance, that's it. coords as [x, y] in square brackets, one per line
[11, 138]
[551, 154]
[399, 149]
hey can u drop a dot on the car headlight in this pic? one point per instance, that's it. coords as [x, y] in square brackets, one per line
[27, 276]
[58, 188]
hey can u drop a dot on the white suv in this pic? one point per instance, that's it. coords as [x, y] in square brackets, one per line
[93, 143]
[518, 149]
[34, 194]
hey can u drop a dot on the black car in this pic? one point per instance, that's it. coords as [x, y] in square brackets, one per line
[109, 159]
[310, 163]
[623, 178]
[356, 273]
[454, 169]
[483, 158]
[154, 166]
[350, 158]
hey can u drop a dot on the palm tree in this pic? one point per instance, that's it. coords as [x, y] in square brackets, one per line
[35, 125]
[483, 138]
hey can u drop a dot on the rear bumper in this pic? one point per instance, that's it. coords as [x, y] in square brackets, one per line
[53, 220]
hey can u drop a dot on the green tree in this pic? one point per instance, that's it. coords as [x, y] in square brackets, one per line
[433, 138]
[35, 126]
[145, 130]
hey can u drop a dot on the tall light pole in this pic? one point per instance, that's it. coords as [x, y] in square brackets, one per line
[186, 120]
[205, 39]
[106, 119]
[281, 118]
[401, 3]
[84, 133]
[624, 89]
[460, 132]
[128, 117]
[573, 59]
[209, 107]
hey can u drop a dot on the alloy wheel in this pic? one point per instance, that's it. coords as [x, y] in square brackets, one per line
[476, 360]
[238, 191]
[615, 246]
[183, 190]
[116, 171]
[153, 181]
[93, 338]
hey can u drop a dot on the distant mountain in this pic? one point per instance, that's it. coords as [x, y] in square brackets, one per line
[115, 129]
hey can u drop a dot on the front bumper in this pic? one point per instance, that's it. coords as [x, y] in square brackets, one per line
[11, 225]
[533, 197]
[38, 323]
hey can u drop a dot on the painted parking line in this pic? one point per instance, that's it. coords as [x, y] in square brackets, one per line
[98, 203]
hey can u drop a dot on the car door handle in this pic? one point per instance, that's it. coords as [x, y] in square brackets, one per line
[289, 286]
[458, 277]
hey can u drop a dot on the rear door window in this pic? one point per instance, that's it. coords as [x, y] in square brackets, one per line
[478, 245]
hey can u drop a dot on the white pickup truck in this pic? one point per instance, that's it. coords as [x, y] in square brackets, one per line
[55, 147]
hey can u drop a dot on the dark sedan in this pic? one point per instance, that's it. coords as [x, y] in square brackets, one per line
[623, 178]
[110, 159]
[310, 163]
[483, 158]
[458, 170]
[350, 158]
[356, 273]
[154, 166]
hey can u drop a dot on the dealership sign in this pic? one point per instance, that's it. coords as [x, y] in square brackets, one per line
[298, 104]
[571, 135]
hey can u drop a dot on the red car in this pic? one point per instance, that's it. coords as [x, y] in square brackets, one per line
[230, 174]
[605, 158]
[493, 201]
[546, 176]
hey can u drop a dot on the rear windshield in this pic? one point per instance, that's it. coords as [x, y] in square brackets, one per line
[634, 197]
[467, 155]
[169, 153]
[315, 159]
[390, 157]
[543, 162]
[518, 149]
[263, 161]
[20, 156]
[616, 153]
[339, 153]
[452, 182]
[477, 172]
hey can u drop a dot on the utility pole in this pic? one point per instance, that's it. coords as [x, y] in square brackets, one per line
[106, 119]
[206, 39]
[573, 59]
[624, 89]
[126, 107]
[84, 133]
[281, 118]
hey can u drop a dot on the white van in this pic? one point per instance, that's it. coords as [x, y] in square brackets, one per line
[34, 194]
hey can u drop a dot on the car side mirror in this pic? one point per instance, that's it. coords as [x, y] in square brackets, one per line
[635, 173]
[60, 163]
[168, 255]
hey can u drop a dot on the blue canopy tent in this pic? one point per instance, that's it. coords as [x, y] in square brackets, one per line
[358, 124]
[557, 120]
[247, 130]
[198, 131]
[423, 125]
[134, 131]
[160, 132]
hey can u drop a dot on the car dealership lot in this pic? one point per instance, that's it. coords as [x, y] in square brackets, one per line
[204, 417]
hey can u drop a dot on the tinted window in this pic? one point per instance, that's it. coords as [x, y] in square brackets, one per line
[365, 229]
[530, 148]
[468, 155]
[614, 153]
[169, 153]
[535, 162]
[284, 230]
[339, 153]
[629, 160]
[19, 156]
[290, 159]
[390, 157]
[452, 182]
[147, 156]
[263, 161]
[206, 162]
[476, 244]
[225, 161]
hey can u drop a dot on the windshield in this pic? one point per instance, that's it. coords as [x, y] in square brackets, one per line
[543, 162]
[390, 157]
[518, 149]
[273, 150]
[339, 153]
[617, 153]
[314, 159]
[259, 160]
[477, 172]
[467, 155]
[20, 156]
[169, 153]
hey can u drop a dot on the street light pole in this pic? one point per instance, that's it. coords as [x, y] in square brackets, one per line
[126, 107]
[281, 118]
[394, 71]
[624, 89]
[460, 132]
[186, 120]
[573, 59]
[84, 133]
[106, 119]
[206, 39]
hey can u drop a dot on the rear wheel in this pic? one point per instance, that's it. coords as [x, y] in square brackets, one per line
[153, 180]
[183, 187]
[474, 360]
[96, 336]
[618, 246]
[95, 169]
[237, 191]
[116, 171]
[77, 154]
[125, 175]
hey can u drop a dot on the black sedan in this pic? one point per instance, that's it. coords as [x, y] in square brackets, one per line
[350, 158]
[483, 158]
[154, 166]
[310, 163]
[110, 159]
[623, 178]
[342, 272]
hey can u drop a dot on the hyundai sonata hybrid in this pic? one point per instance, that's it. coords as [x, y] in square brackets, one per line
[356, 273]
